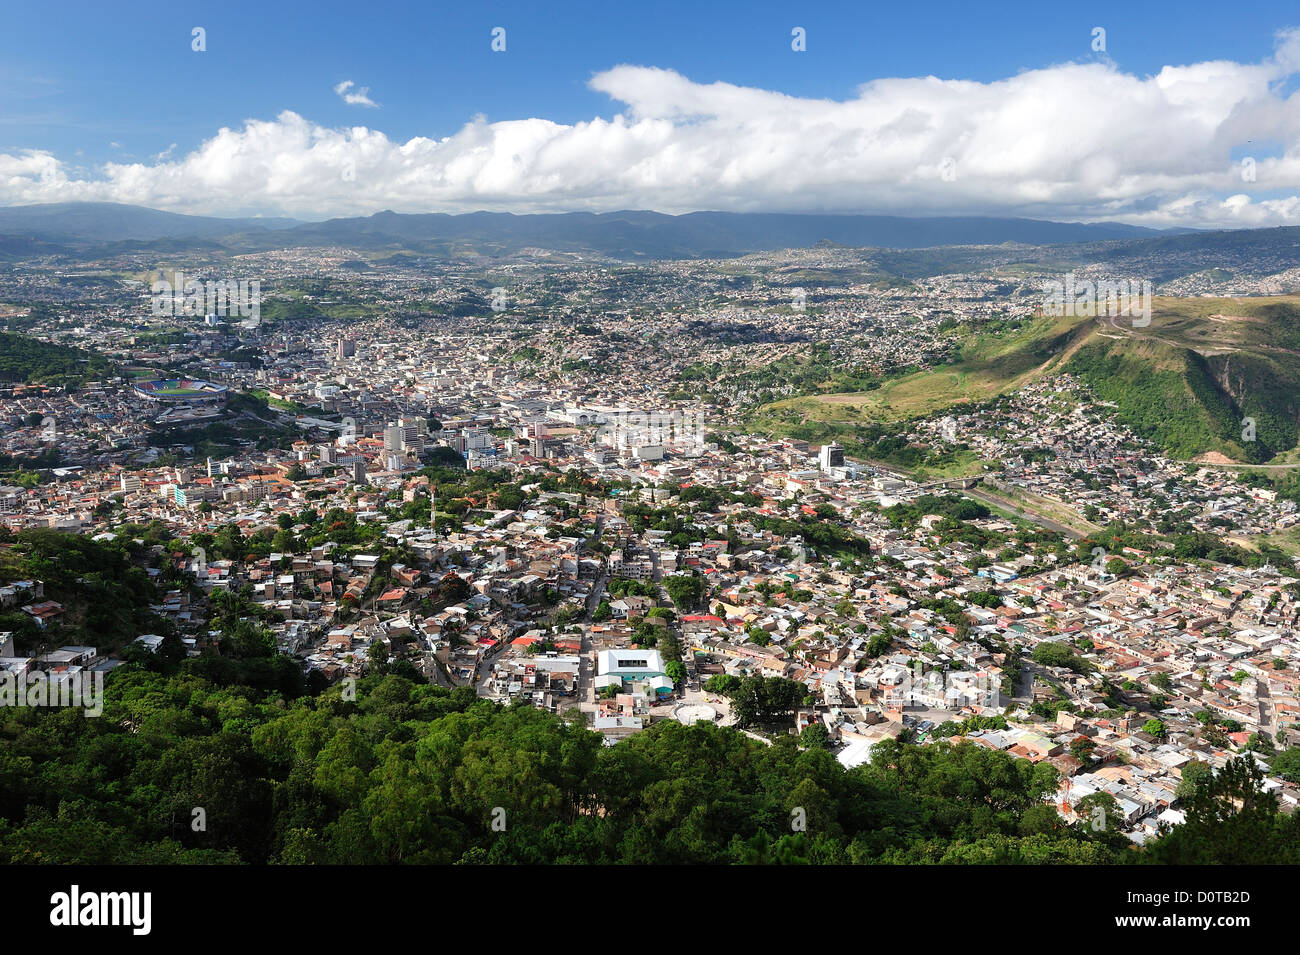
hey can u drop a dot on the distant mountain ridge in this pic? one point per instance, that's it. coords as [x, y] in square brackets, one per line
[112, 221]
[629, 234]
[705, 234]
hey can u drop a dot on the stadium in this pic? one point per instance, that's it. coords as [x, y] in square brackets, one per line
[180, 390]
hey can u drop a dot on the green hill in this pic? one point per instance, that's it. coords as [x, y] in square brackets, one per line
[1187, 382]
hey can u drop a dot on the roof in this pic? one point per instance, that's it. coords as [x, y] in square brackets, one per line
[856, 753]
[630, 661]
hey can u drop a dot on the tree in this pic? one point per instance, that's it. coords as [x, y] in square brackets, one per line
[878, 644]
[1287, 765]
[1100, 813]
[766, 700]
[377, 657]
[815, 736]
[1056, 654]
[1154, 728]
[722, 683]
[1215, 735]
[1260, 742]
[685, 590]
[441, 456]
[1231, 820]
[453, 588]
[1195, 774]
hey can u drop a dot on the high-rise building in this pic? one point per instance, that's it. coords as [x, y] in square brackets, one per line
[347, 347]
[413, 431]
[832, 456]
[415, 427]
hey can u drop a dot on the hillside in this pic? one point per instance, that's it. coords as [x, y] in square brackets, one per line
[410, 773]
[1186, 382]
[26, 360]
[103, 588]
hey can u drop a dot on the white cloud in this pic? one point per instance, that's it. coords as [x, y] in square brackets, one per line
[360, 98]
[1078, 141]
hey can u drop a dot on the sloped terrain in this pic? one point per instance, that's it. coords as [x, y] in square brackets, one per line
[1189, 381]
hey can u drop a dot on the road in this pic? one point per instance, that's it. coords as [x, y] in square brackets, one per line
[597, 592]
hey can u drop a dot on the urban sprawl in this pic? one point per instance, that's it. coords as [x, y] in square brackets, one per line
[543, 480]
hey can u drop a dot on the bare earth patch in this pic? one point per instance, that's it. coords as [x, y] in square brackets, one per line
[1213, 457]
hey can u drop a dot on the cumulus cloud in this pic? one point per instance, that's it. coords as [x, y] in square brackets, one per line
[1078, 141]
[359, 98]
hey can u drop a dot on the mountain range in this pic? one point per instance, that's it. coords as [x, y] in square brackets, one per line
[83, 226]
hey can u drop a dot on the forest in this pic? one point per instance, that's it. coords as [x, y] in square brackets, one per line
[181, 770]
[29, 360]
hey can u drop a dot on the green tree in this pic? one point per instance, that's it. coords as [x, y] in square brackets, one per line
[1195, 774]
[815, 736]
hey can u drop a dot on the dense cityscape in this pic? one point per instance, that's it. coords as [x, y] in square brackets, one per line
[679, 439]
[543, 488]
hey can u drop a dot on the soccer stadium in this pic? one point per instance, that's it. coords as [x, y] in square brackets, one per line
[180, 389]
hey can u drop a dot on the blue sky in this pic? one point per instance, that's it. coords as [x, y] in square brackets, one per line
[88, 84]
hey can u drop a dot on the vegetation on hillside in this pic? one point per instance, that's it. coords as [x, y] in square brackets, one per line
[1207, 375]
[25, 360]
[410, 773]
